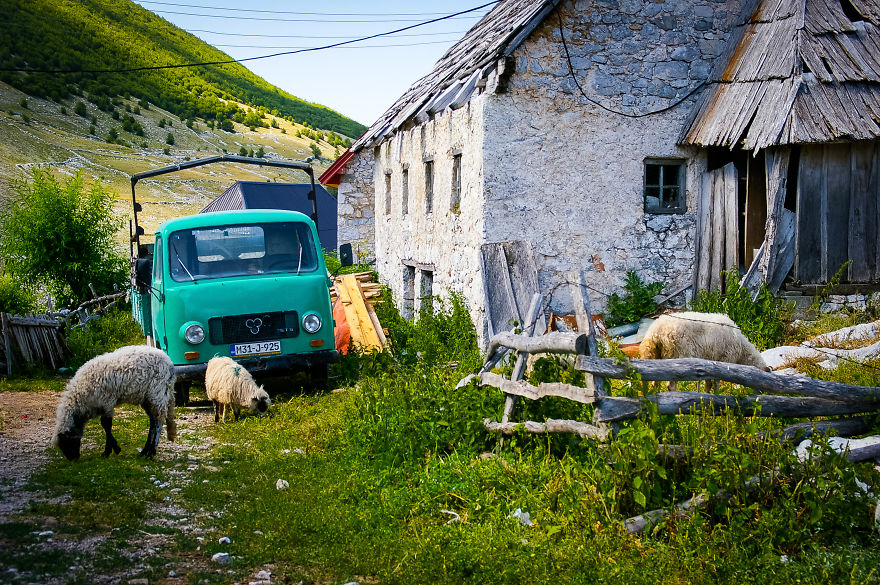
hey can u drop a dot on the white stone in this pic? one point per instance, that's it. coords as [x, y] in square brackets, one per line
[221, 558]
[282, 484]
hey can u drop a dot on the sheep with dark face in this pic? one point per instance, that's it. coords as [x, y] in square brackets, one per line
[134, 374]
[230, 386]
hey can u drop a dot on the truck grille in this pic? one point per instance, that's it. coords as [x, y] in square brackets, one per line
[255, 327]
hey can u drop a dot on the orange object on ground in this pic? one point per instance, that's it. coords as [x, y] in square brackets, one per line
[341, 328]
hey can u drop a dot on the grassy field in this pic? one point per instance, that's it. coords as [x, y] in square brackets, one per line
[392, 479]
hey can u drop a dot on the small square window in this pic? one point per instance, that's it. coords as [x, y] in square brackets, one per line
[664, 186]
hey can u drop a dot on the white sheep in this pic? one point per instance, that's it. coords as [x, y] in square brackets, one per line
[710, 336]
[135, 374]
[229, 385]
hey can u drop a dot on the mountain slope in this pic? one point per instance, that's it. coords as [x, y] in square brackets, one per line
[119, 34]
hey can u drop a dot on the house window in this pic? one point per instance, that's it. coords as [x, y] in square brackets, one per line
[426, 291]
[429, 186]
[404, 191]
[664, 186]
[455, 198]
[409, 286]
[388, 193]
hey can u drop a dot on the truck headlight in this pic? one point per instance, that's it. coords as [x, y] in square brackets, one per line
[194, 333]
[311, 323]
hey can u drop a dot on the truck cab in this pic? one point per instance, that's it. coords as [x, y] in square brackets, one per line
[247, 284]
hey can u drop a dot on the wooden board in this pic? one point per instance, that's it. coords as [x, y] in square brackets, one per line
[363, 332]
[731, 217]
[704, 234]
[863, 215]
[510, 279]
[835, 208]
[809, 200]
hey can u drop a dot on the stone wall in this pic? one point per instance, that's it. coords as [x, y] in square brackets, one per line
[565, 168]
[354, 220]
[445, 242]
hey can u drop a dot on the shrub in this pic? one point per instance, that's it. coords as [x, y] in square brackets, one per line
[637, 302]
[63, 111]
[242, 151]
[16, 297]
[61, 237]
[80, 109]
[763, 320]
[111, 331]
[316, 152]
[169, 139]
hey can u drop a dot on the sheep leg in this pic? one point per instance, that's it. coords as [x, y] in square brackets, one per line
[236, 411]
[110, 444]
[149, 449]
[216, 411]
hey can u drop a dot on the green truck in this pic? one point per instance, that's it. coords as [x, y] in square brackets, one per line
[248, 284]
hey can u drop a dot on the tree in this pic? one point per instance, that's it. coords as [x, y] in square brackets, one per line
[169, 139]
[80, 109]
[315, 150]
[60, 237]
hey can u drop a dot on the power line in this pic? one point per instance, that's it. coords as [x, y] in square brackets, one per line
[293, 12]
[232, 34]
[352, 47]
[229, 61]
[275, 19]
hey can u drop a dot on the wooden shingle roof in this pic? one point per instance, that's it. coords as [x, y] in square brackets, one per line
[456, 75]
[804, 71]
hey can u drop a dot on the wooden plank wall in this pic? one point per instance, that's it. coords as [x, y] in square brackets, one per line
[838, 216]
[717, 227]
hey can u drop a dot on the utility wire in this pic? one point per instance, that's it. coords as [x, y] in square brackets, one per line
[355, 47]
[226, 62]
[275, 19]
[232, 34]
[293, 12]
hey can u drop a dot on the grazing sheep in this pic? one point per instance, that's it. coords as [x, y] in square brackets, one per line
[710, 336]
[229, 385]
[135, 374]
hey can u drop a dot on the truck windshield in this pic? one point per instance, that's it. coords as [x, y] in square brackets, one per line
[240, 250]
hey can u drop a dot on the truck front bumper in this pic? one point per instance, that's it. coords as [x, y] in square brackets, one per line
[271, 365]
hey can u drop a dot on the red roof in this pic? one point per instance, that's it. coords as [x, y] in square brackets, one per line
[332, 175]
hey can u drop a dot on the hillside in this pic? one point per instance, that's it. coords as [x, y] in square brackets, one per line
[119, 34]
[41, 132]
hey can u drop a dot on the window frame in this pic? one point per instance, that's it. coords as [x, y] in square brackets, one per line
[662, 184]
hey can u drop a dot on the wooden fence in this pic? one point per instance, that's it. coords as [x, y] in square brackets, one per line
[33, 339]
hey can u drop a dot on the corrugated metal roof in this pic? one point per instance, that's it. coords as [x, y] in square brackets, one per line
[803, 71]
[333, 174]
[292, 196]
[456, 75]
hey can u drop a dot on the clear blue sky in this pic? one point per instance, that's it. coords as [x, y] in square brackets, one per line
[360, 80]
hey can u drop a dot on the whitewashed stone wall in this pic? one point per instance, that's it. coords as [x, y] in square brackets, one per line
[354, 219]
[567, 174]
[445, 241]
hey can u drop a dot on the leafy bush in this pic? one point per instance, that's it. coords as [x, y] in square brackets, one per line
[638, 301]
[763, 320]
[80, 109]
[61, 237]
[112, 330]
[16, 298]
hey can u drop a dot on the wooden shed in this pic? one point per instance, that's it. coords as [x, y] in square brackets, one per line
[791, 127]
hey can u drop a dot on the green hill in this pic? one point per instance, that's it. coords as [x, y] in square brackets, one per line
[89, 35]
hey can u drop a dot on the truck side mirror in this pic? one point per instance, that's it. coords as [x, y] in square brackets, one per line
[346, 258]
[143, 272]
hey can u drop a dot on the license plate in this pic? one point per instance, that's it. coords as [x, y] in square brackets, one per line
[255, 348]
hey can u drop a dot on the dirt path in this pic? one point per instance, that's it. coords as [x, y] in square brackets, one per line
[27, 421]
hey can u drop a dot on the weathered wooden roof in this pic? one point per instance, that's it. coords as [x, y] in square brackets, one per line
[455, 76]
[804, 71]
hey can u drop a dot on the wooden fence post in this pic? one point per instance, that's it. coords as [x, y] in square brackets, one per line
[7, 340]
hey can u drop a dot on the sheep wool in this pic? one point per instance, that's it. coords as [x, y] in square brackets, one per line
[135, 374]
[230, 386]
[710, 336]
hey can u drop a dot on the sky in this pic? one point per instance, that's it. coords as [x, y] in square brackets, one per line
[360, 80]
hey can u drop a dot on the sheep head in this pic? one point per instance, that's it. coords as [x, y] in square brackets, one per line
[260, 401]
[69, 440]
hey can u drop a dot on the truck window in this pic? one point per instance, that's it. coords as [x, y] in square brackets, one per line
[157, 262]
[240, 250]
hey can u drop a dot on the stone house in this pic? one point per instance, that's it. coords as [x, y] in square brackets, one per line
[619, 135]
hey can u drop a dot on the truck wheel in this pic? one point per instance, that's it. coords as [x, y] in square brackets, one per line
[319, 376]
[181, 393]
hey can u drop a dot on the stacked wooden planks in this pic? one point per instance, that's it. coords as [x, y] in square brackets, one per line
[353, 291]
[37, 338]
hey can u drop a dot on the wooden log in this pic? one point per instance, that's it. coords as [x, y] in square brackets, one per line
[841, 427]
[583, 314]
[526, 390]
[554, 342]
[549, 426]
[616, 408]
[750, 376]
[646, 521]
[34, 321]
[519, 366]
